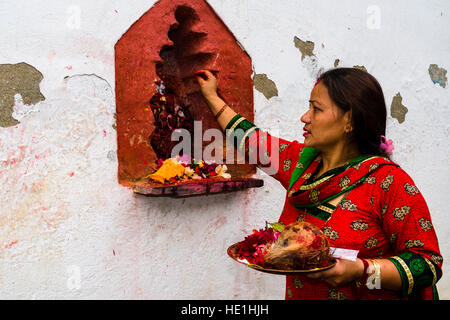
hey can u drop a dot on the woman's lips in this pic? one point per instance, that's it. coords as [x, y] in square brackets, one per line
[306, 133]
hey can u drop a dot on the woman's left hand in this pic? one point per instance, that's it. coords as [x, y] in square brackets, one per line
[343, 272]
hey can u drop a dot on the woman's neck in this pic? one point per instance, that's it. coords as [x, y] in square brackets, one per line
[337, 158]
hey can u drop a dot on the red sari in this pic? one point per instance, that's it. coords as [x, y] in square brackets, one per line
[382, 214]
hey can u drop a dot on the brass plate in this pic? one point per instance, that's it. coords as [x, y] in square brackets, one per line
[232, 253]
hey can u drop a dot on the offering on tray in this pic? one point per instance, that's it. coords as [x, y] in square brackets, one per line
[182, 168]
[300, 246]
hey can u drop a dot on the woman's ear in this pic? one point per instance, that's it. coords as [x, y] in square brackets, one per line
[348, 119]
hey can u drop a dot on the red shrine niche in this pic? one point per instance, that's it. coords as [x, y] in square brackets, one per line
[156, 93]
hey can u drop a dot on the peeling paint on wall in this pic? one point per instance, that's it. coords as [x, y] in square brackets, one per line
[438, 75]
[336, 63]
[360, 68]
[22, 79]
[398, 110]
[266, 86]
[305, 47]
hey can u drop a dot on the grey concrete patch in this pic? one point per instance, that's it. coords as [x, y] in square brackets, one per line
[22, 79]
[305, 47]
[438, 75]
[398, 110]
[360, 68]
[266, 86]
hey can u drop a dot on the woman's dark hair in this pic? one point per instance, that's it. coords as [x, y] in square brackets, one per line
[357, 91]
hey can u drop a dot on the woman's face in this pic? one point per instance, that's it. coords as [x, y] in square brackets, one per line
[325, 123]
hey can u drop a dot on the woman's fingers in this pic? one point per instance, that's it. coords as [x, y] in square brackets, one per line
[204, 74]
[200, 80]
[207, 82]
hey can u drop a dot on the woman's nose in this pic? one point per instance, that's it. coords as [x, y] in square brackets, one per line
[305, 117]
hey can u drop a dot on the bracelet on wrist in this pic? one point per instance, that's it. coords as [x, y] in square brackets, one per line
[218, 114]
[365, 274]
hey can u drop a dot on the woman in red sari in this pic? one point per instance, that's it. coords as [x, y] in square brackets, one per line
[342, 180]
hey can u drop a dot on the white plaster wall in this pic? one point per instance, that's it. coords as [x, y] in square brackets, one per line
[69, 231]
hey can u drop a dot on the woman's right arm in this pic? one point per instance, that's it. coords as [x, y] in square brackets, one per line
[208, 87]
[277, 157]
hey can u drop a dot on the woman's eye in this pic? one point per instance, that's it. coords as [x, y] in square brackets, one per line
[316, 109]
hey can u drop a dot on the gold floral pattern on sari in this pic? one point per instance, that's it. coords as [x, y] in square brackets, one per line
[287, 164]
[333, 294]
[299, 165]
[283, 146]
[330, 233]
[371, 180]
[386, 183]
[344, 182]
[298, 284]
[371, 243]
[425, 224]
[314, 196]
[437, 259]
[359, 225]
[357, 166]
[301, 218]
[306, 176]
[411, 189]
[414, 243]
[400, 213]
[348, 205]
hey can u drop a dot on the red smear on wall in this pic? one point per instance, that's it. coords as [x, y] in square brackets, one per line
[11, 244]
[170, 42]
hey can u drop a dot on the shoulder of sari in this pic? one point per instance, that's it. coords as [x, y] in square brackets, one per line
[315, 192]
[372, 163]
[365, 164]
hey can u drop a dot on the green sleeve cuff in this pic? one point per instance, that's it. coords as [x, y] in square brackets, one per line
[239, 130]
[416, 272]
[232, 122]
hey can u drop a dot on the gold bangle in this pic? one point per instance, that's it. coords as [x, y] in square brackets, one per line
[374, 281]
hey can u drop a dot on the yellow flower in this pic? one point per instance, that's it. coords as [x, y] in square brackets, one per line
[170, 169]
[189, 171]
